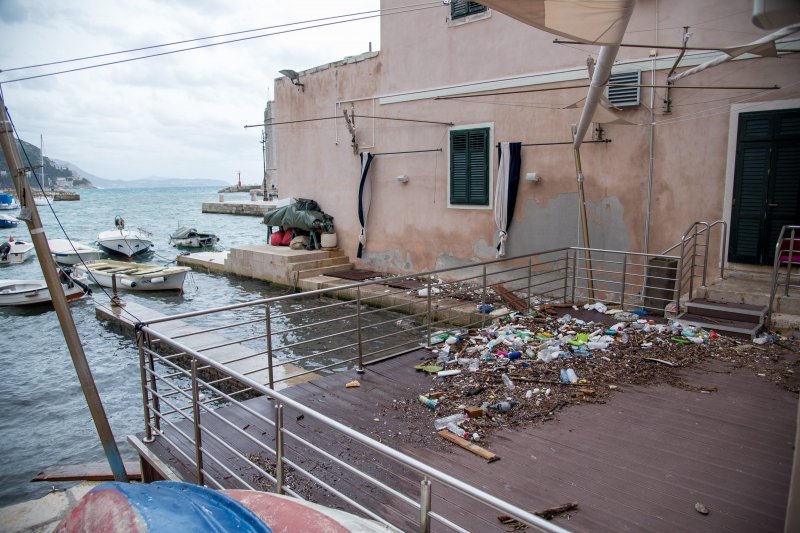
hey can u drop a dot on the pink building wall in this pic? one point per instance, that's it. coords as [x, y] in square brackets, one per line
[424, 54]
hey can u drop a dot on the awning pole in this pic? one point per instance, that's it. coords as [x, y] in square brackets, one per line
[30, 214]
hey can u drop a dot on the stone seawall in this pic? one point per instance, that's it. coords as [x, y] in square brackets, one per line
[253, 209]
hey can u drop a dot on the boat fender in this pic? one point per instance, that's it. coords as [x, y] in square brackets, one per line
[160, 279]
[128, 283]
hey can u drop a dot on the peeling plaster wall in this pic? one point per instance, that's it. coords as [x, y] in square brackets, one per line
[410, 228]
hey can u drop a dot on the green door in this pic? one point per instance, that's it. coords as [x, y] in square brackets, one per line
[766, 186]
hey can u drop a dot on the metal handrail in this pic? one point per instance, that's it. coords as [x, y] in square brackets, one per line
[395, 455]
[776, 269]
[691, 239]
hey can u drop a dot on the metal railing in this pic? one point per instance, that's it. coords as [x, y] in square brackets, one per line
[785, 250]
[693, 257]
[189, 371]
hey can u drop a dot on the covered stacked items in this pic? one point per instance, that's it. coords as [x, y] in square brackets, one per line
[300, 224]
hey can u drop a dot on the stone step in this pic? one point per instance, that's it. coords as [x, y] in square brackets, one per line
[319, 271]
[751, 292]
[723, 326]
[320, 263]
[753, 314]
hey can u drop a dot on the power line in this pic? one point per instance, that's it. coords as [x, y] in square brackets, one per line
[151, 47]
[396, 12]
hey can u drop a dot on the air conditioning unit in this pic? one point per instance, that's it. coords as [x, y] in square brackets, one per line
[625, 96]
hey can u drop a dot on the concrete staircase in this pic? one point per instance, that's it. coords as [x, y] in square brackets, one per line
[738, 303]
[282, 265]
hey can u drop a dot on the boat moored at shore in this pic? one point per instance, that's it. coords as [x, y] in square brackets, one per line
[134, 276]
[15, 252]
[67, 252]
[7, 221]
[23, 292]
[124, 242]
[8, 202]
[190, 238]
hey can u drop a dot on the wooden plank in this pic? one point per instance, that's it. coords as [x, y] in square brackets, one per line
[86, 472]
[469, 446]
[516, 303]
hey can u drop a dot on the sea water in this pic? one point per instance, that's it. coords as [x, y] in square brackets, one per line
[44, 419]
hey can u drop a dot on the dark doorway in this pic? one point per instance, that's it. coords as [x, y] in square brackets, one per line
[766, 185]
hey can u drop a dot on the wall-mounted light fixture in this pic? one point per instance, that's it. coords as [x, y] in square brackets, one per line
[294, 77]
[533, 176]
[402, 178]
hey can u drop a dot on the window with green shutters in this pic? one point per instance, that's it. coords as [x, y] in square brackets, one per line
[463, 8]
[469, 167]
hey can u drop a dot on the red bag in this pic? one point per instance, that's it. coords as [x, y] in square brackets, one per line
[276, 238]
[287, 237]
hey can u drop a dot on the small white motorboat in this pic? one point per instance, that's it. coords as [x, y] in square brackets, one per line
[17, 292]
[191, 238]
[7, 202]
[15, 252]
[7, 221]
[67, 252]
[134, 276]
[123, 241]
[40, 200]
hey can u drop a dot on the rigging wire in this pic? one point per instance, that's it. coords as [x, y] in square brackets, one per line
[185, 41]
[169, 52]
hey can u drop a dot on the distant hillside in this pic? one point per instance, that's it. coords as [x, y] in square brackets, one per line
[32, 156]
[154, 181]
[54, 168]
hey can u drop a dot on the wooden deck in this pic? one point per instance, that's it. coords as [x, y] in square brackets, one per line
[639, 462]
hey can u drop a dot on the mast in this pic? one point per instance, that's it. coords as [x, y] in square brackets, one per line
[30, 215]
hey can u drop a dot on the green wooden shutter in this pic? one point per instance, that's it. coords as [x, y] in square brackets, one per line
[462, 8]
[784, 198]
[479, 166]
[749, 210]
[459, 167]
[469, 167]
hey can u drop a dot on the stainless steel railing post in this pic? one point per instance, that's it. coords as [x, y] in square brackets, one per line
[789, 263]
[483, 299]
[705, 253]
[198, 444]
[574, 274]
[359, 333]
[148, 430]
[154, 389]
[430, 330]
[279, 472]
[270, 365]
[566, 274]
[530, 266]
[425, 505]
[691, 269]
[622, 287]
[679, 277]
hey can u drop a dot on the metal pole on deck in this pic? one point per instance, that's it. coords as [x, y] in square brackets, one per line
[30, 215]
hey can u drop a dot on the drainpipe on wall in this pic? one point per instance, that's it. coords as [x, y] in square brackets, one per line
[650, 163]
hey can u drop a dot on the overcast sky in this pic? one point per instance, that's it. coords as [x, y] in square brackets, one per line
[179, 115]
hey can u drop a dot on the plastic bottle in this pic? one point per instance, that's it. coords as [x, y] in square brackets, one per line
[514, 355]
[572, 376]
[453, 428]
[563, 375]
[427, 402]
[441, 423]
[508, 383]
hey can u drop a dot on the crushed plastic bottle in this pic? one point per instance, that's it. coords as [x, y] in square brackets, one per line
[453, 428]
[568, 375]
[441, 423]
[508, 383]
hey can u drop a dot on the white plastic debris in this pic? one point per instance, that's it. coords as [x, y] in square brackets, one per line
[424, 291]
